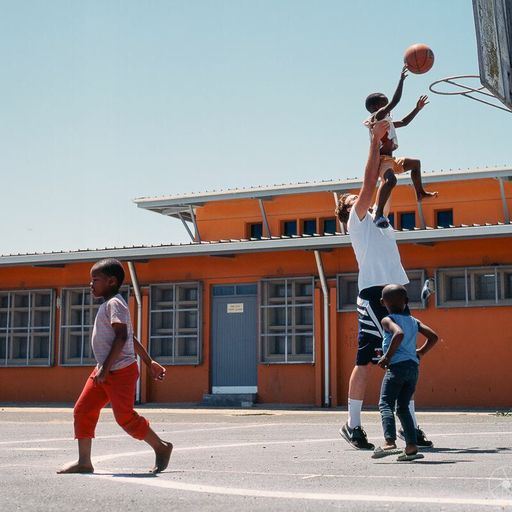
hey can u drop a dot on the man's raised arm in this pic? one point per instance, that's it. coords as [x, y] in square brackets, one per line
[371, 172]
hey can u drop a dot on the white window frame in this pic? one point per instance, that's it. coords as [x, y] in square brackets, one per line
[470, 274]
[8, 331]
[288, 331]
[85, 330]
[174, 360]
[352, 277]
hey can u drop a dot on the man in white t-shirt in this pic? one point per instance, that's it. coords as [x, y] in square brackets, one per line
[379, 264]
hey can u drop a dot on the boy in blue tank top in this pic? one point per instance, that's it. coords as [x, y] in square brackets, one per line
[401, 362]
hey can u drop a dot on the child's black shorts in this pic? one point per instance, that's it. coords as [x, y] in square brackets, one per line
[370, 312]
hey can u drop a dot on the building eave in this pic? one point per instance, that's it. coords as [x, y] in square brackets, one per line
[234, 247]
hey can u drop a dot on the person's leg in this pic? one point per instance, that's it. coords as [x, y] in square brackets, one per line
[356, 391]
[414, 165]
[85, 414]
[121, 391]
[410, 379]
[391, 386]
[388, 182]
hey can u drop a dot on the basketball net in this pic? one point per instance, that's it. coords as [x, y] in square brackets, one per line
[459, 88]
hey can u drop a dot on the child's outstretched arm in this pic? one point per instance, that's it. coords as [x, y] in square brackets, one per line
[408, 118]
[429, 343]
[398, 336]
[384, 111]
[157, 370]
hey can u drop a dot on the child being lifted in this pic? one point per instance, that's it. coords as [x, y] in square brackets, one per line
[380, 108]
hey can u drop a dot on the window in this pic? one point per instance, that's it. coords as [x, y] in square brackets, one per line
[329, 226]
[174, 336]
[407, 220]
[348, 290]
[26, 320]
[78, 311]
[287, 321]
[256, 230]
[290, 228]
[444, 218]
[391, 217]
[474, 286]
[309, 227]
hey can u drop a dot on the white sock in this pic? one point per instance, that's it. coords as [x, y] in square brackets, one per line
[354, 412]
[413, 413]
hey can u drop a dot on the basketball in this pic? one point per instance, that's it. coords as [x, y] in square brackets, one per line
[419, 58]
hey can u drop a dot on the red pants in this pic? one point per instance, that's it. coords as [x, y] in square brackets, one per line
[119, 390]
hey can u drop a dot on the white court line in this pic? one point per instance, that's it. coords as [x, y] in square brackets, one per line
[290, 495]
[123, 434]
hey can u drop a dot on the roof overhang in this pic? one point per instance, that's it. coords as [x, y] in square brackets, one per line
[227, 247]
[171, 205]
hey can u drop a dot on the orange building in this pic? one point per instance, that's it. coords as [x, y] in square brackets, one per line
[261, 302]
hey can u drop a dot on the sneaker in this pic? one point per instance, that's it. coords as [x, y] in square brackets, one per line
[356, 437]
[381, 222]
[427, 290]
[421, 438]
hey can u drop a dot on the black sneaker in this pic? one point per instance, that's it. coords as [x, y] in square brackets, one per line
[356, 437]
[421, 438]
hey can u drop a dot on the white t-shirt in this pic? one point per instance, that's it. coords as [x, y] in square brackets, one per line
[112, 311]
[390, 134]
[376, 252]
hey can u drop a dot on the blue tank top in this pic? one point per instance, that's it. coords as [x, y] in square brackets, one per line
[407, 349]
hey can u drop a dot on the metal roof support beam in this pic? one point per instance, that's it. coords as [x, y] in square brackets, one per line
[325, 293]
[138, 299]
[268, 234]
[184, 222]
[196, 229]
[420, 215]
[506, 214]
[340, 224]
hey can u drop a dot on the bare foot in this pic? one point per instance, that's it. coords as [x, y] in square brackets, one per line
[76, 468]
[163, 455]
[426, 195]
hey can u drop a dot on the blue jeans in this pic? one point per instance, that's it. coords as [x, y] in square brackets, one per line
[398, 387]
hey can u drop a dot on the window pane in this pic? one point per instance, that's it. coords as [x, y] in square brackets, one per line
[456, 288]
[74, 345]
[3, 319]
[407, 220]
[304, 289]
[162, 297]
[161, 322]
[246, 289]
[21, 300]
[19, 319]
[485, 286]
[329, 225]
[303, 316]
[290, 228]
[391, 218]
[414, 289]
[187, 320]
[3, 349]
[508, 285]
[220, 291]
[161, 347]
[275, 346]
[303, 345]
[309, 227]
[41, 318]
[19, 347]
[444, 218]
[256, 230]
[186, 347]
[347, 291]
[187, 293]
[4, 300]
[42, 299]
[40, 346]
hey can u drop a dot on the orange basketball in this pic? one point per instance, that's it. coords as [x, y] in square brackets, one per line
[419, 58]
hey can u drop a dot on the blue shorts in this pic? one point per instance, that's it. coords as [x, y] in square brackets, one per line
[370, 312]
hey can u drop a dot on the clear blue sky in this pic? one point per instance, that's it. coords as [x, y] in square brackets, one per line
[104, 101]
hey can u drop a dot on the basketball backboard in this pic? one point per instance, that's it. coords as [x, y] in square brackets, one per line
[493, 24]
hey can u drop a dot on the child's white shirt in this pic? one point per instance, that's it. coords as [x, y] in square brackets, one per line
[390, 134]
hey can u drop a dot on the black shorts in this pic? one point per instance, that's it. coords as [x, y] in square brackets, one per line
[370, 312]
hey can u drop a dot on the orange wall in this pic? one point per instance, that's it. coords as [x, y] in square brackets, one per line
[472, 201]
[468, 368]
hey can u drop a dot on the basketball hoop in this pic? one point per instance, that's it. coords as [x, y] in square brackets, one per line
[462, 89]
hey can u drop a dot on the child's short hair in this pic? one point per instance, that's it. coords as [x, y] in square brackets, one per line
[373, 101]
[341, 210]
[111, 268]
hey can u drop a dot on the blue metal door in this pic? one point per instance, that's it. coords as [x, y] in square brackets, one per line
[234, 338]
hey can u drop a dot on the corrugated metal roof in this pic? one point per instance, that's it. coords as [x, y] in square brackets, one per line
[170, 204]
[224, 247]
